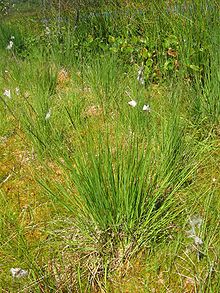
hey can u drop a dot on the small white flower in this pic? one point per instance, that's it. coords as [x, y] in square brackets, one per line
[18, 273]
[12, 37]
[198, 240]
[141, 80]
[132, 103]
[146, 108]
[195, 223]
[7, 93]
[47, 30]
[10, 45]
[26, 95]
[17, 91]
[48, 115]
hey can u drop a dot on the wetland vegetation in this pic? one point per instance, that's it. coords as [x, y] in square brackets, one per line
[109, 146]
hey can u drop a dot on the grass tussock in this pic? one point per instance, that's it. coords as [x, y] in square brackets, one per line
[109, 147]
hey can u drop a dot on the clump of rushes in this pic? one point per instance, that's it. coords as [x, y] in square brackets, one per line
[111, 105]
[125, 192]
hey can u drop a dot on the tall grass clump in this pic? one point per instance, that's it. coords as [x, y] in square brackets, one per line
[118, 110]
[122, 189]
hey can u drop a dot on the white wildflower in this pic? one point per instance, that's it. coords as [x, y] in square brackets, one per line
[47, 30]
[198, 240]
[146, 108]
[26, 95]
[17, 91]
[7, 93]
[18, 273]
[12, 37]
[195, 223]
[132, 103]
[48, 115]
[10, 45]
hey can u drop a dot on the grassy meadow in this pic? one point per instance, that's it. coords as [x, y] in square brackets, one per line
[110, 146]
